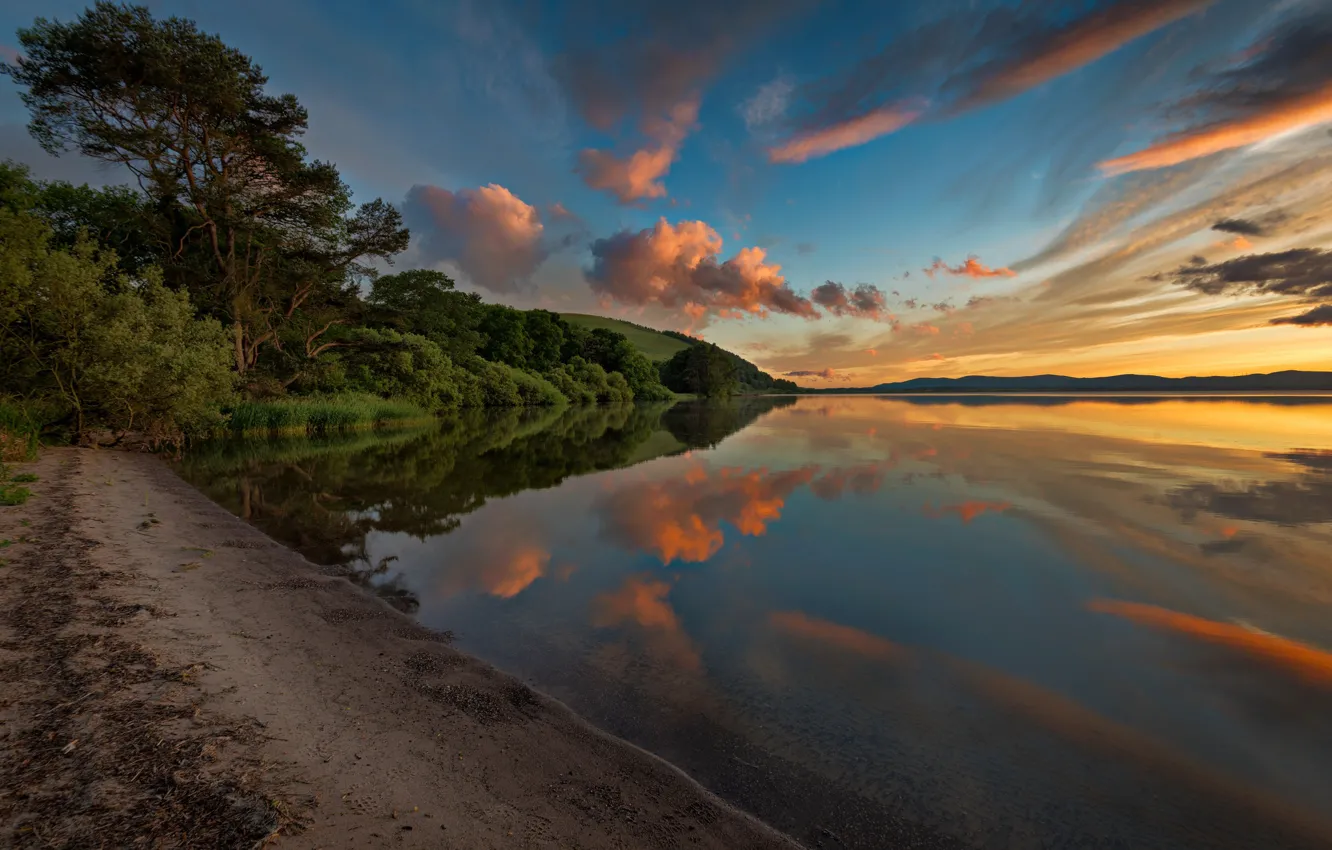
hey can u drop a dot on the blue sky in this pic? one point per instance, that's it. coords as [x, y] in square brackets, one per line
[1007, 119]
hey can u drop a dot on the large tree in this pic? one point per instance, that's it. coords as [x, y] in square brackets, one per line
[256, 232]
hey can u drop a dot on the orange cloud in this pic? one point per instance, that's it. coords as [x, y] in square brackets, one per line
[490, 233]
[923, 329]
[970, 509]
[847, 134]
[971, 268]
[639, 176]
[674, 265]
[508, 579]
[642, 601]
[1288, 115]
[1307, 662]
[680, 519]
[846, 638]
[872, 352]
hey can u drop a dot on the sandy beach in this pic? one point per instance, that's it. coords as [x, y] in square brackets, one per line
[171, 677]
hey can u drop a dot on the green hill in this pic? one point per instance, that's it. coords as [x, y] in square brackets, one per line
[654, 344]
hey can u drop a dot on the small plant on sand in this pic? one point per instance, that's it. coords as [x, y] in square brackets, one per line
[11, 493]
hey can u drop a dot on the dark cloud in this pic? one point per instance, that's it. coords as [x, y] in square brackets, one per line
[823, 374]
[943, 307]
[1299, 272]
[677, 266]
[1305, 501]
[1320, 315]
[865, 301]
[1241, 226]
[806, 247]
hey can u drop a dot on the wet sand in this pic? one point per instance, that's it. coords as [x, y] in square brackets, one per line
[171, 676]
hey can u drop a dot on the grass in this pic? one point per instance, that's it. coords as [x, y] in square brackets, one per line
[655, 346]
[321, 415]
[11, 494]
[20, 428]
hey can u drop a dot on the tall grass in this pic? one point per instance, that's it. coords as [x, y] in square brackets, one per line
[20, 430]
[321, 414]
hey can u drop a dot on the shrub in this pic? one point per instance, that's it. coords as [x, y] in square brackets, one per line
[534, 390]
[570, 388]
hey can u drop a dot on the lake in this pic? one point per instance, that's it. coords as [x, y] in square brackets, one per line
[993, 622]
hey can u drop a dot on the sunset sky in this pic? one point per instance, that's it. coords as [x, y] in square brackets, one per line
[844, 192]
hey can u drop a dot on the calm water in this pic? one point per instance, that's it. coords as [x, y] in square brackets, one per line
[1012, 622]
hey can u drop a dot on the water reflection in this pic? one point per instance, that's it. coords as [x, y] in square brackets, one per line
[991, 622]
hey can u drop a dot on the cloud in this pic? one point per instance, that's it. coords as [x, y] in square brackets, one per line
[646, 58]
[1320, 315]
[1239, 226]
[490, 233]
[638, 176]
[559, 211]
[680, 519]
[644, 602]
[768, 105]
[1300, 659]
[677, 266]
[1284, 85]
[965, 61]
[970, 509]
[971, 268]
[822, 374]
[806, 248]
[1302, 273]
[865, 301]
[850, 133]
[1053, 53]
[846, 638]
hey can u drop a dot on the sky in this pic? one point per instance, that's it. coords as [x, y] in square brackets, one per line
[843, 192]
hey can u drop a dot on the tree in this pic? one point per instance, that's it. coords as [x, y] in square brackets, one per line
[505, 333]
[256, 231]
[425, 302]
[703, 369]
[546, 331]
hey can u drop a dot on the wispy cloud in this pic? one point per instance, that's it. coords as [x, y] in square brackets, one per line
[972, 267]
[639, 176]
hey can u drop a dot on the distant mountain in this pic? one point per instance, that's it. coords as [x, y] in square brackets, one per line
[1282, 381]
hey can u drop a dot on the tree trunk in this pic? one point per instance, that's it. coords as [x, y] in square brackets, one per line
[238, 334]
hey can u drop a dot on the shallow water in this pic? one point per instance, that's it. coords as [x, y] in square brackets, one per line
[989, 622]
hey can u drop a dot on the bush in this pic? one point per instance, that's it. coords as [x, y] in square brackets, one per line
[19, 432]
[534, 390]
[498, 388]
[571, 389]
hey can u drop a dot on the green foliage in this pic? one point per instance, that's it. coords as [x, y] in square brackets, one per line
[11, 494]
[321, 414]
[258, 235]
[424, 302]
[152, 366]
[133, 355]
[593, 377]
[20, 430]
[546, 331]
[569, 387]
[535, 390]
[392, 364]
[702, 369]
[506, 339]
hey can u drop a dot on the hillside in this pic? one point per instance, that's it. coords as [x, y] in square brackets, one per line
[1276, 381]
[655, 345]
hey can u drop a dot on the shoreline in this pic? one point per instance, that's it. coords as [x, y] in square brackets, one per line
[180, 676]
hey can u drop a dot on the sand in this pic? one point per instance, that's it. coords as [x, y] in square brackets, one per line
[170, 676]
